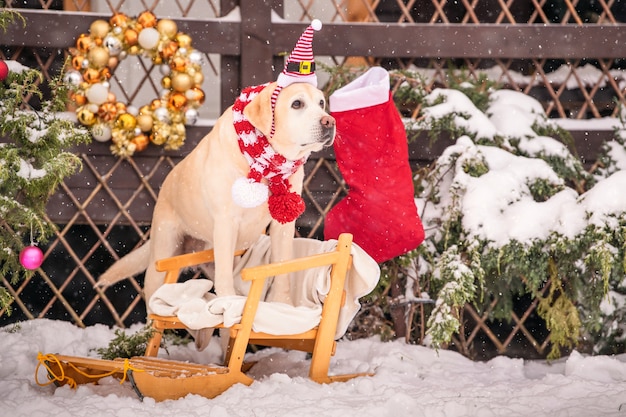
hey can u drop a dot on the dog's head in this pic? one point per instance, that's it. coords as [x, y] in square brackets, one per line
[301, 123]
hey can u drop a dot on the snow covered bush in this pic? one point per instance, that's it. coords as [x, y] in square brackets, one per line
[33, 162]
[509, 211]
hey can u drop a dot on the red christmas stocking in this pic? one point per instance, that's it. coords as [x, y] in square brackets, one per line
[372, 154]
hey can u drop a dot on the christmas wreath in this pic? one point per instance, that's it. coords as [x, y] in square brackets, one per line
[162, 121]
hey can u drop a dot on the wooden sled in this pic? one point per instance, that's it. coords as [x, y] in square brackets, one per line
[166, 379]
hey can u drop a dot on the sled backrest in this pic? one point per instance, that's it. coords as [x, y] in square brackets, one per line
[320, 341]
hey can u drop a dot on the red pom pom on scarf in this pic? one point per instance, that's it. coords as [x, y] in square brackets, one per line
[286, 208]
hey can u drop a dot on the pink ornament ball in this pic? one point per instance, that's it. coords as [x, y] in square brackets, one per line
[31, 257]
[4, 70]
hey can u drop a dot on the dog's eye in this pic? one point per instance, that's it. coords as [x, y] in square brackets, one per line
[322, 104]
[297, 104]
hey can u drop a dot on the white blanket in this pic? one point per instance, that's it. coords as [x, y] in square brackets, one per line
[197, 308]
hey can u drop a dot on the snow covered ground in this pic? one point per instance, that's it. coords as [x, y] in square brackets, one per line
[409, 381]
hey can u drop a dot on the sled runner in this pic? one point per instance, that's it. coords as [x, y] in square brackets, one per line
[166, 379]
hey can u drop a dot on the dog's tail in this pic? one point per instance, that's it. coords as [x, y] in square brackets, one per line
[129, 265]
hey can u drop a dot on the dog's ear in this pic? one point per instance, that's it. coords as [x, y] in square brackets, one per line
[259, 110]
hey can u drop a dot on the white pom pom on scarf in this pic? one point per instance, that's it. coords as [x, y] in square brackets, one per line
[248, 193]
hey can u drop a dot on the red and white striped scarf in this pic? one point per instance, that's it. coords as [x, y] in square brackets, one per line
[284, 206]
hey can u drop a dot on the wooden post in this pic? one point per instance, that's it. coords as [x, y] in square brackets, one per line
[256, 38]
[230, 68]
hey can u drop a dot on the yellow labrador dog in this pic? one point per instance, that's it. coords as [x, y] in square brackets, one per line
[196, 198]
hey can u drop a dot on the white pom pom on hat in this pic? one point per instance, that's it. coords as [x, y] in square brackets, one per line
[316, 24]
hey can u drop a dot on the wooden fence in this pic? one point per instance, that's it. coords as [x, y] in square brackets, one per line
[105, 211]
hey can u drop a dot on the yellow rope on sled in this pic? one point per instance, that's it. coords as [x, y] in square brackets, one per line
[52, 378]
[50, 358]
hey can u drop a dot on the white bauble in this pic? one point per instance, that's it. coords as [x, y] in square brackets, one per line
[162, 114]
[101, 132]
[148, 38]
[191, 116]
[97, 94]
[113, 44]
[73, 78]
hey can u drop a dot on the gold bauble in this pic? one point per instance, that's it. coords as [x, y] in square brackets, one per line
[157, 139]
[178, 63]
[121, 107]
[126, 121]
[178, 128]
[144, 122]
[130, 37]
[184, 40]
[141, 142]
[107, 111]
[99, 28]
[147, 19]
[196, 94]
[198, 78]
[176, 118]
[83, 43]
[78, 98]
[119, 136]
[167, 27]
[105, 73]
[111, 97]
[98, 57]
[182, 82]
[168, 50]
[91, 75]
[177, 101]
[77, 62]
[85, 117]
[160, 133]
[155, 104]
[113, 62]
[133, 50]
[119, 19]
[166, 82]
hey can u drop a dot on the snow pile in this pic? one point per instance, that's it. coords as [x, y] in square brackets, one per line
[409, 381]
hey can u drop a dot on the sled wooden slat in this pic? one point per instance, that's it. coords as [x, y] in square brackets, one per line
[166, 379]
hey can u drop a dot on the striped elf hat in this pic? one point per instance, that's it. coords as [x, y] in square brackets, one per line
[300, 66]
